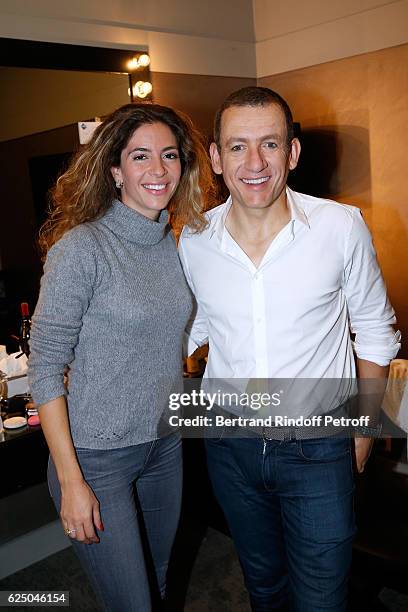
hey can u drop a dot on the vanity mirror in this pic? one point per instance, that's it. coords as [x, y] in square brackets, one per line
[47, 89]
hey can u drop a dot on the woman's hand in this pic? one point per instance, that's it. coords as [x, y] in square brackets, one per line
[79, 507]
[80, 512]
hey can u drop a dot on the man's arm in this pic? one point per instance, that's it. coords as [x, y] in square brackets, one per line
[370, 313]
[371, 320]
[196, 334]
[369, 404]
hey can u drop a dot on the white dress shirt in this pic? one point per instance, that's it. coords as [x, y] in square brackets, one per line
[292, 316]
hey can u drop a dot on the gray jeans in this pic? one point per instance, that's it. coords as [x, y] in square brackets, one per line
[139, 491]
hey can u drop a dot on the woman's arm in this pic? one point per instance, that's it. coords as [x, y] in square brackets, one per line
[66, 291]
[79, 506]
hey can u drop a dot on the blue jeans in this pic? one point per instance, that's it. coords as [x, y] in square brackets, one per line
[289, 506]
[139, 491]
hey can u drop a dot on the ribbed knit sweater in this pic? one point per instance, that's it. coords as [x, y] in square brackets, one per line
[113, 306]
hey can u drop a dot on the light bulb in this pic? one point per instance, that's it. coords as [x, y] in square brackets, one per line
[133, 63]
[147, 88]
[144, 60]
[142, 89]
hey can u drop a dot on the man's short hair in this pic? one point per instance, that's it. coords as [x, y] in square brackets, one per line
[254, 96]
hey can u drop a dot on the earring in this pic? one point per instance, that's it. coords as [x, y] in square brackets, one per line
[119, 184]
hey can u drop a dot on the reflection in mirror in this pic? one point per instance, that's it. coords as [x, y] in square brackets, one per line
[35, 100]
[40, 110]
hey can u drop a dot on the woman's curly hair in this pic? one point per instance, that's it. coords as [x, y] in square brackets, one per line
[86, 190]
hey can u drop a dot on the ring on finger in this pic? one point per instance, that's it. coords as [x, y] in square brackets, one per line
[68, 532]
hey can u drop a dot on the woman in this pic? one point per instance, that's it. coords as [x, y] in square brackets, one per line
[113, 306]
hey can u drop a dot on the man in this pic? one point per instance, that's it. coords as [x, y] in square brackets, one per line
[281, 279]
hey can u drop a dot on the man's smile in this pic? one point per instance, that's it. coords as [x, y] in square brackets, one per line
[257, 181]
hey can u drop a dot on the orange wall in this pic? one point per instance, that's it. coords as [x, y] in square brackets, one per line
[354, 114]
[197, 95]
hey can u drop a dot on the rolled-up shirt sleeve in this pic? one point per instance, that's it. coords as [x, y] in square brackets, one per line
[370, 313]
[196, 333]
[66, 290]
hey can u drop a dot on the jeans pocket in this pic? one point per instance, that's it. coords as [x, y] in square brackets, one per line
[324, 449]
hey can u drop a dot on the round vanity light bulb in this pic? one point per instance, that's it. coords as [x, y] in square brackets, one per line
[142, 89]
[147, 88]
[144, 60]
[133, 63]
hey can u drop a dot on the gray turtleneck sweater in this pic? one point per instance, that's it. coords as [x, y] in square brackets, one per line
[113, 306]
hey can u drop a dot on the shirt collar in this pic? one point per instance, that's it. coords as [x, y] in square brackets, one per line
[217, 229]
[297, 213]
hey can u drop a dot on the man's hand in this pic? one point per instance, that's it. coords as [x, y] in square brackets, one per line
[372, 384]
[362, 450]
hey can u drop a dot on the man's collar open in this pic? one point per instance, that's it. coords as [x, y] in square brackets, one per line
[217, 229]
[296, 214]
